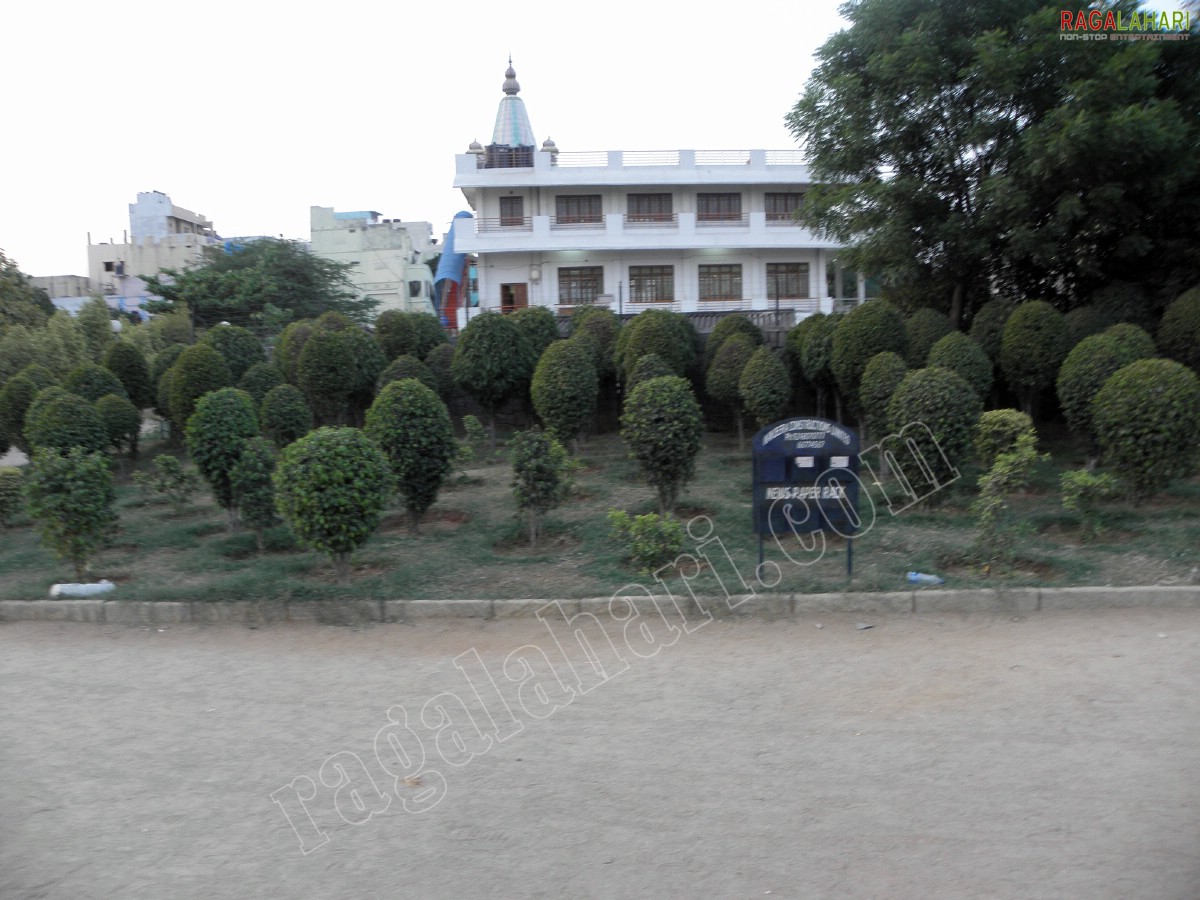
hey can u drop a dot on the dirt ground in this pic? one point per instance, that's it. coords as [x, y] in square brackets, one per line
[956, 756]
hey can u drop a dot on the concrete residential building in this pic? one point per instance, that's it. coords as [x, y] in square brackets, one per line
[386, 255]
[690, 230]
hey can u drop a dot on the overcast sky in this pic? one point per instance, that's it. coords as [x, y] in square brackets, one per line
[250, 113]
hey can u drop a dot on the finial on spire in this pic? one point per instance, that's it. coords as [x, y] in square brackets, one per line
[511, 87]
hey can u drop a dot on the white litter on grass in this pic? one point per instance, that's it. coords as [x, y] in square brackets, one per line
[81, 590]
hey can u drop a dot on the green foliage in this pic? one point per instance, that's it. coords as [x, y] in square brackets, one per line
[238, 346]
[439, 361]
[945, 404]
[924, 328]
[331, 487]
[20, 302]
[872, 327]
[998, 431]
[369, 363]
[95, 327]
[287, 349]
[1034, 344]
[727, 327]
[59, 421]
[987, 325]
[721, 380]
[199, 370]
[765, 386]
[402, 333]
[1082, 492]
[15, 398]
[662, 426]
[960, 354]
[126, 362]
[91, 382]
[651, 541]
[649, 366]
[216, 435]
[259, 379]
[660, 331]
[18, 349]
[71, 500]
[1123, 301]
[1147, 420]
[881, 377]
[285, 415]
[1084, 321]
[493, 361]
[325, 375]
[603, 326]
[1091, 363]
[565, 388]
[253, 488]
[474, 431]
[171, 480]
[406, 366]
[268, 282]
[541, 477]
[12, 501]
[539, 326]
[163, 360]
[996, 528]
[1135, 342]
[411, 426]
[1179, 331]
[122, 421]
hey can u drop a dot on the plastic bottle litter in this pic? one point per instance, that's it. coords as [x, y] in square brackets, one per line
[82, 590]
[922, 578]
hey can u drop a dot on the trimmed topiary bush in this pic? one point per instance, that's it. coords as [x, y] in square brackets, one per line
[726, 327]
[1147, 420]
[945, 404]
[12, 499]
[603, 326]
[872, 327]
[439, 361]
[924, 328]
[289, 346]
[402, 333]
[411, 426]
[1032, 349]
[541, 477]
[539, 325]
[566, 388]
[810, 348]
[122, 422]
[1091, 363]
[253, 488]
[284, 415]
[987, 326]
[1084, 321]
[493, 362]
[881, 377]
[1179, 331]
[15, 399]
[126, 362]
[159, 366]
[326, 375]
[406, 366]
[961, 355]
[199, 370]
[649, 366]
[662, 427]
[216, 435]
[997, 433]
[1135, 342]
[1124, 301]
[369, 363]
[660, 331]
[94, 325]
[765, 386]
[259, 379]
[331, 487]
[651, 541]
[91, 382]
[237, 346]
[72, 502]
[59, 421]
[724, 371]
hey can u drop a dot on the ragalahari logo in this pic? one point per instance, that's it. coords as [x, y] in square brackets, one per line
[1117, 25]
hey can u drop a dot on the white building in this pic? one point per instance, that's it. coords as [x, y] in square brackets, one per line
[690, 230]
[386, 255]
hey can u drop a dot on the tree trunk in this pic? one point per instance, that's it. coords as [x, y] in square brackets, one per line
[258, 540]
[341, 567]
[492, 432]
[956, 306]
[838, 405]
[533, 528]
[231, 512]
[414, 522]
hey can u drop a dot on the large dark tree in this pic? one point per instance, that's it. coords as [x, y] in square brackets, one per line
[263, 285]
[20, 302]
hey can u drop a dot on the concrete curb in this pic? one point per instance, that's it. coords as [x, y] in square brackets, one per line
[936, 601]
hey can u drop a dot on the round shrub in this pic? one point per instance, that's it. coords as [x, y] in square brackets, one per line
[1084, 321]
[15, 398]
[326, 375]
[662, 427]
[122, 421]
[253, 489]
[721, 380]
[765, 386]
[58, 420]
[987, 326]
[727, 327]
[412, 427]
[1091, 363]
[997, 433]
[541, 477]
[369, 363]
[163, 360]
[91, 382]
[238, 346]
[539, 326]
[1147, 420]
[960, 354]
[72, 501]
[1034, 344]
[439, 361]
[400, 333]
[881, 377]
[1124, 301]
[260, 378]
[1135, 342]
[406, 366]
[945, 404]
[493, 362]
[331, 487]
[333, 321]
[649, 366]
[289, 346]
[1179, 331]
[566, 388]
[602, 324]
[924, 328]
[872, 327]
[126, 362]
[199, 370]
[660, 331]
[216, 435]
[12, 500]
[284, 415]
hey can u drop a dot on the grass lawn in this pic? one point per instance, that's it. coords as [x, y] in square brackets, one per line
[472, 546]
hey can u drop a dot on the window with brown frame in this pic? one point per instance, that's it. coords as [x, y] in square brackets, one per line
[512, 210]
[718, 207]
[787, 281]
[578, 209]
[651, 284]
[721, 282]
[782, 207]
[649, 208]
[580, 284]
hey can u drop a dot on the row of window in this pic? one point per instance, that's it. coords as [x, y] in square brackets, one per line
[656, 284]
[574, 209]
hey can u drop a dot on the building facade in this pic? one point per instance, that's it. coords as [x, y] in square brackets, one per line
[688, 230]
